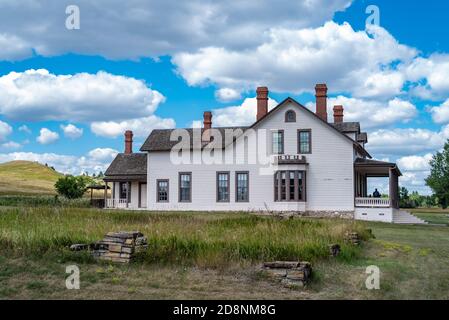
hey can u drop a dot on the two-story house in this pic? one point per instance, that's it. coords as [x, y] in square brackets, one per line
[290, 159]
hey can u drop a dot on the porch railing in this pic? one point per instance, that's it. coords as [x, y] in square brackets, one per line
[116, 203]
[373, 202]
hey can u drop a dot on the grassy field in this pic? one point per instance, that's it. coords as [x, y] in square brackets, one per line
[188, 238]
[433, 215]
[216, 256]
[27, 178]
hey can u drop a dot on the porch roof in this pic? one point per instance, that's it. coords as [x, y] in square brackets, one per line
[125, 178]
[128, 165]
[376, 167]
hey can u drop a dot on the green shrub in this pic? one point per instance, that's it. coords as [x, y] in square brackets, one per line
[72, 187]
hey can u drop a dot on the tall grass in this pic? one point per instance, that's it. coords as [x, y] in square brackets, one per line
[35, 201]
[205, 239]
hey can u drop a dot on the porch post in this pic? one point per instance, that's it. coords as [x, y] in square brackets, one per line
[394, 189]
[106, 195]
[128, 191]
[113, 191]
[365, 186]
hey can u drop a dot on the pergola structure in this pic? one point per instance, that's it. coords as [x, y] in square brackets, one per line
[97, 202]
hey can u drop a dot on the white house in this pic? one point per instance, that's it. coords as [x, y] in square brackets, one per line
[289, 160]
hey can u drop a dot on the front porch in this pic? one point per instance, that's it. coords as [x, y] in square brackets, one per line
[367, 206]
[127, 192]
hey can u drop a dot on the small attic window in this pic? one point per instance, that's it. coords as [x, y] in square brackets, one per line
[290, 116]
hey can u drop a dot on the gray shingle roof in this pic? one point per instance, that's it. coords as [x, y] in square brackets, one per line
[133, 164]
[371, 162]
[361, 162]
[347, 126]
[362, 137]
[159, 139]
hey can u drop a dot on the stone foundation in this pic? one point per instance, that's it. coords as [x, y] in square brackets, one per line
[349, 215]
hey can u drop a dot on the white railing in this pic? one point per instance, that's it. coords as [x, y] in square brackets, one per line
[373, 202]
[116, 203]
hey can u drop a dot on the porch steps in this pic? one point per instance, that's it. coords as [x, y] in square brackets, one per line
[404, 217]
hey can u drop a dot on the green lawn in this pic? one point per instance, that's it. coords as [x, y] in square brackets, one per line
[216, 256]
[434, 216]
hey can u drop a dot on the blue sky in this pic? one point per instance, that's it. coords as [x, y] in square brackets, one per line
[142, 65]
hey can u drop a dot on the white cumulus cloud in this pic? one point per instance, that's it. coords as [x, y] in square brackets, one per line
[5, 130]
[38, 95]
[141, 127]
[11, 145]
[406, 141]
[13, 47]
[227, 94]
[47, 136]
[440, 114]
[415, 163]
[24, 128]
[71, 131]
[372, 113]
[140, 28]
[295, 60]
[103, 154]
[241, 115]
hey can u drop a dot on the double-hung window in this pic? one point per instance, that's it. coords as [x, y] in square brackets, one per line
[222, 186]
[277, 138]
[241, 186]
[185, 187]
[304, 141]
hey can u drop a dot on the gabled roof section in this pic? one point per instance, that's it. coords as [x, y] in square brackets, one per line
[352, 125]
[159, 139]
[134, 164]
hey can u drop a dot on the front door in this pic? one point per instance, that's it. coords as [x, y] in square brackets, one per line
[143, 195]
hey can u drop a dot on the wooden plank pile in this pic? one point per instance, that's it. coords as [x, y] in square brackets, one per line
[290, 273]
[353, 237]
[116, 246]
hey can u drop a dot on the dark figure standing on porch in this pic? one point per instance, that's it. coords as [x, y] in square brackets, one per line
[376, 194]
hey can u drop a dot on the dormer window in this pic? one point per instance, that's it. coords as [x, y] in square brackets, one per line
[290, 116]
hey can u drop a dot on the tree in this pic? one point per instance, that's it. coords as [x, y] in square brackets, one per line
[404, 199]
[71, 187]
[438, 180]
[403, 193]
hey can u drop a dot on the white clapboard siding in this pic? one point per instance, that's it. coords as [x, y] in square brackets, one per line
[330, 183]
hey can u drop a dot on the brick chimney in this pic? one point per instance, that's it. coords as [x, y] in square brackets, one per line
[128, 142]
[321, 101]
[207, 121]
[262, 102]
[338, 114]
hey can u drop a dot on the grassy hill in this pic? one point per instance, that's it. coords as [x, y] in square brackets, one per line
[27, 178]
